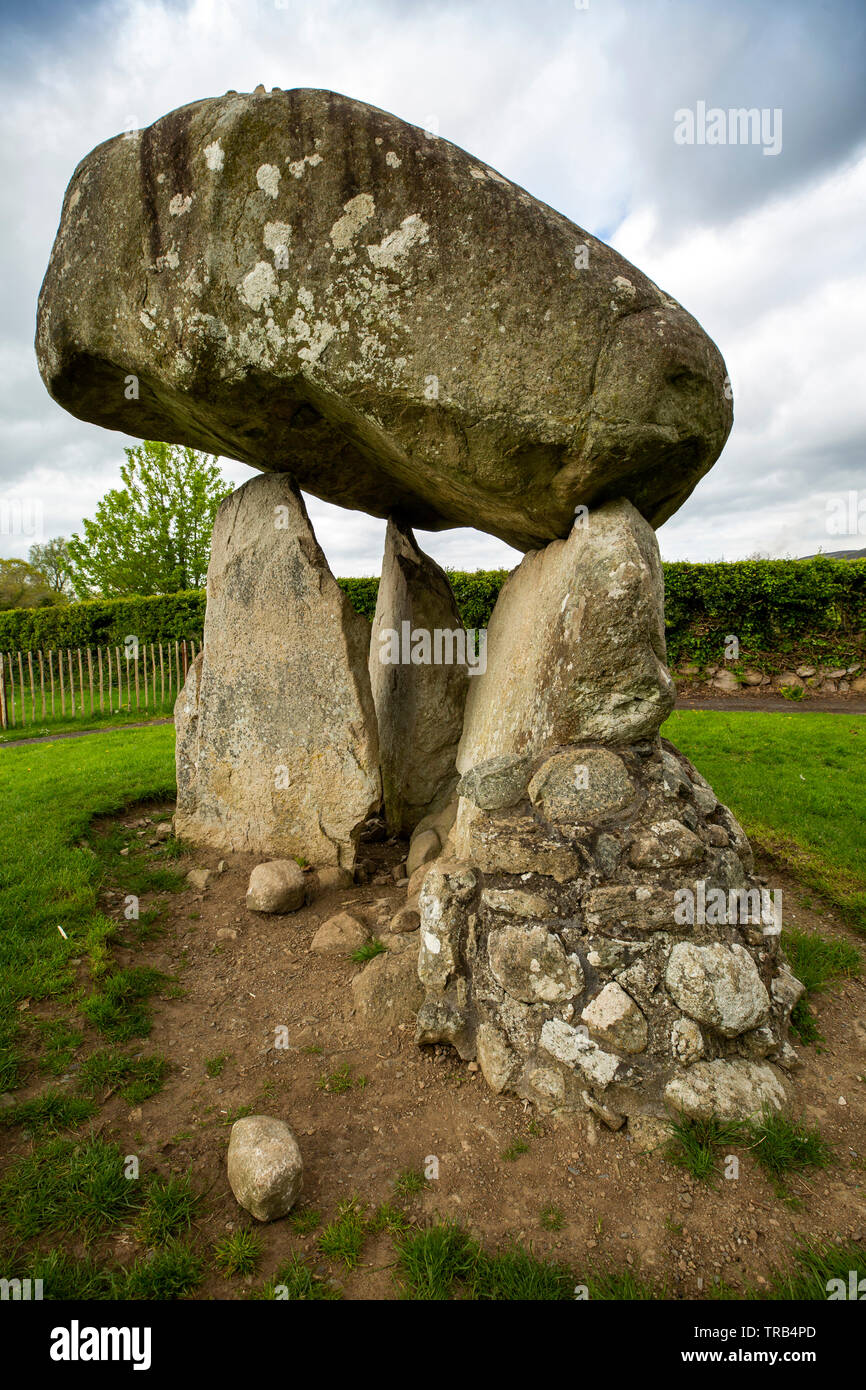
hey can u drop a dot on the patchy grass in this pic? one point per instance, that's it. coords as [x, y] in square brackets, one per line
[238, 1253]
[60, 1042]
[796, 783]
[168, 1209]
[409, 1182]
[50, 793]
[388, 1218]
[296, 1282]
[135, 1078]
[515, 1151]
[305, 1220]
[343, 1238]
[119, 1008]
[65, 1277]
[813, 1265]
[816, 961]
[68, 1185]
[340, 1081]
[782, 1146]
[170, 1273]
[444, 1262]
[49, 1112]
[214, 1065]
[621, 1287]
[695, 1145]
[779, 1145]
[551, 1218]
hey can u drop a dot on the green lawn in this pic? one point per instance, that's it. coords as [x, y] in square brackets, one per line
[107, 719]
[49, 793]
[797, 782]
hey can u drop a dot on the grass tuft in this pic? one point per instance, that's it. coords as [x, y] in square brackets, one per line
[49, 1112]
[343, 1238]
[168, 1208]
[238, 1253]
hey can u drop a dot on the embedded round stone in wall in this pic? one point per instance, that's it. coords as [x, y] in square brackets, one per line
[496, 783]
[666, 844]
[614, 1019]
[531, 965]
[581, 786]
[719, 986]
[633, 907]
[687, 1041]
[497, 1060]
[513, 844]
[518, 903]
[736, 1090]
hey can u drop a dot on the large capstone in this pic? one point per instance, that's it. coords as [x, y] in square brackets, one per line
[277, 748]
[306, 283]
[418, 672]
[575, 649]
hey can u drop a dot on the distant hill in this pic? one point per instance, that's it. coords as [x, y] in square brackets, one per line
[837, 555]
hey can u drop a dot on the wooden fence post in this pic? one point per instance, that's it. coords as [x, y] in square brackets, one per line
[32, 688]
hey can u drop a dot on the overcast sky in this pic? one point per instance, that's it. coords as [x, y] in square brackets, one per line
[768, 251]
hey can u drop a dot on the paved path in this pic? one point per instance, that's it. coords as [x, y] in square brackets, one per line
[778, 706]
[768, 706]
[83, 733]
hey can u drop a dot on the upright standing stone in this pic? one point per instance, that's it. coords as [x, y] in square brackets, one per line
[419, 703]
[576, 645]
[285, 759]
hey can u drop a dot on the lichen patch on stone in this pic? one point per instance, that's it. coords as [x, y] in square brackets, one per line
[268, 179]
[259, 285]
[356, 213]
[413, 231]
[214, 156]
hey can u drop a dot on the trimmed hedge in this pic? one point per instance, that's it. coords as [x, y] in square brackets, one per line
[770, 605]
[104, 621]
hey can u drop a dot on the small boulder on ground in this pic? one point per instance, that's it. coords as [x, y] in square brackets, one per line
[387, 992]
[197, 878]
[340, 935]
[265, 1168]
[277, 886]
[331, 877]
[408, 917]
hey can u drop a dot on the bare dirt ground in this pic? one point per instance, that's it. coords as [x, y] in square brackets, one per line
[244, 975]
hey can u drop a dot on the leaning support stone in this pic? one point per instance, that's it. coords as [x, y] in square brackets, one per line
[419, 684]
[278, 752]
[576, 646]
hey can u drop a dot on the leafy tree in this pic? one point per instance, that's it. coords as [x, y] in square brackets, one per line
[23, 586]
[153, 535]
[52, 561]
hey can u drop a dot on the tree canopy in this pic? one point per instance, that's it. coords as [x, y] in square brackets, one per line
[153, 535]
[22, 585]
